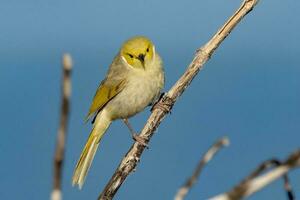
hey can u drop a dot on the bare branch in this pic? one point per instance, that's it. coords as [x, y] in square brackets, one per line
[254, 182]
[62, 131]
[129, 162]
[268, 164]
[182, 192]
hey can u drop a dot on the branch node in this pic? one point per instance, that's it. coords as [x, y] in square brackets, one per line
[202, 52]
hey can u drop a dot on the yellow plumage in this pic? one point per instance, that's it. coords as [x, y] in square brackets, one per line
[103, 95]
[133, 81]
[90, 148]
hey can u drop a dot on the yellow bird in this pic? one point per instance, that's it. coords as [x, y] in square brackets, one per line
[134, 80]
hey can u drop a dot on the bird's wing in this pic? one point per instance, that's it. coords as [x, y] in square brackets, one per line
[105, 92]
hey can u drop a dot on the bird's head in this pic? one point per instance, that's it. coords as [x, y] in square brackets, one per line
[138, 52]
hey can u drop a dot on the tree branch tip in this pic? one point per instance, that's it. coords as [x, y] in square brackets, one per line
[294, 159]
[225, 141]
[67, 61]
[254, 2]
[56, 195]
[251, 4]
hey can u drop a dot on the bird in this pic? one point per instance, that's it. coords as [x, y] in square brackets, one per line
[133, 81]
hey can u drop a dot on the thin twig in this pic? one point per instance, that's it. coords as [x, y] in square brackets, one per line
[129, 162]
[182, 192]
[267, 165]
[288, 188]
[62, 131]
[254, 182]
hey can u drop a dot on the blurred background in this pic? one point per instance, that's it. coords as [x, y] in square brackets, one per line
[248, 91]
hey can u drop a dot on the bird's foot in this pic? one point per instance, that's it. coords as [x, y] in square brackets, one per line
[140, 140]
[164, 103]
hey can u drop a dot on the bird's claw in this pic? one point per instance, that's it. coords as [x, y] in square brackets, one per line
[164, 103]
[140, 140]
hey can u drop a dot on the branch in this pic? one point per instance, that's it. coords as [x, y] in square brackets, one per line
[254, 182]
[182, 192]
[267, 165]
[62, 131]
[288, 188]
[129, 162]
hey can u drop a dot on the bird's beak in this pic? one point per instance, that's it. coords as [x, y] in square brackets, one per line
[141, 57]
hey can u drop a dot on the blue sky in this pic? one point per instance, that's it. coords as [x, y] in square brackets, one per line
[249, 91]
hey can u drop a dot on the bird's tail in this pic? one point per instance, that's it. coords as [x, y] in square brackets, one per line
[87, 155]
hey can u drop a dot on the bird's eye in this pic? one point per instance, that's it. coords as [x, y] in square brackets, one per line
[131, 56]
[147, 49]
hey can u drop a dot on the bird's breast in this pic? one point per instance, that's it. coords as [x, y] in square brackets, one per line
[141, 89]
